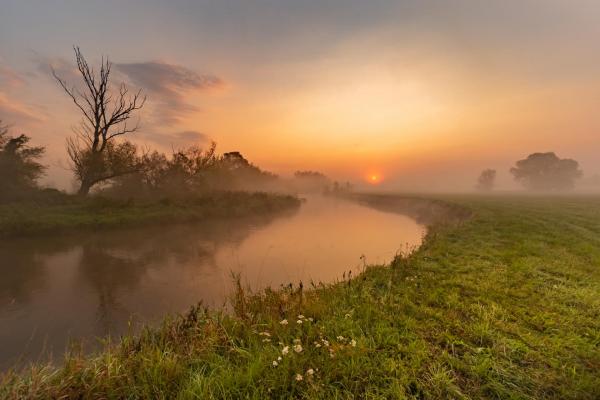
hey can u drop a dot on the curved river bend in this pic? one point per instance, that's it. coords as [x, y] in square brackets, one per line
[89, 285]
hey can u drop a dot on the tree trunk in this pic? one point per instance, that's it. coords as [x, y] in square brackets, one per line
[84, 189]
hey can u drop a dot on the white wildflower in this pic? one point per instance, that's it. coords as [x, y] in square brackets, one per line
[298, 348]
[275, 363]
[279, 358]
[353, 343]
[310, 319]
[299, 321]
[325, 343]
[265, 334]
[266, 340]
[299, 377]
[300, 316]
[284, 322]
[340, 338]
[310, 372]
[296, 341]
[285, 350]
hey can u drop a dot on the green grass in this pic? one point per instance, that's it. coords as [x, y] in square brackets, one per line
[68, 213]
[505, 305]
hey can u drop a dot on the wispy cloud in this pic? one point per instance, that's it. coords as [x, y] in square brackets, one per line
[176, 140]
[168, 86]
[13, 111]
[63, 68]
[9, 78]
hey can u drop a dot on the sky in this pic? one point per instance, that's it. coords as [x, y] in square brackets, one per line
[424, 94]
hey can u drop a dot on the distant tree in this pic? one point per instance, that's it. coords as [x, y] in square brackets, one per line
[239, 173]
[310, 175]
[545, 171]
[95, 156]
[311, 181]
[486, 180]
[234, 160]
[19, 165]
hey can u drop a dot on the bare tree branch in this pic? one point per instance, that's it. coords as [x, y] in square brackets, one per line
[105, 117]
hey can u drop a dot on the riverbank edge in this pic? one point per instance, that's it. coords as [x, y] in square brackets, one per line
[72, 215]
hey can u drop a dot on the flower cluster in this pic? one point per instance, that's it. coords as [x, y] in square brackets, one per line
[322, 344]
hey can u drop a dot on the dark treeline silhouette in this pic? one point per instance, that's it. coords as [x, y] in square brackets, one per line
[104, 160]
[190, 172]
[186, 172]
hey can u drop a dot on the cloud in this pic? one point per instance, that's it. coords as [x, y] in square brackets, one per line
[192, 136]
[175, 140]
[167, 79]
[9, 78]
[15, 111]
[12, 109]
[64, 69]
[167, 86]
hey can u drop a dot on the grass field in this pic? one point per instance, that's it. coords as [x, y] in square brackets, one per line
[503, 305]
[67, 213]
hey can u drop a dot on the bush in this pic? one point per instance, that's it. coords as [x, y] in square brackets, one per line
[19, 166]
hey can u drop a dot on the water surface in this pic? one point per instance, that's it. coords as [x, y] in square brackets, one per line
[105, 283]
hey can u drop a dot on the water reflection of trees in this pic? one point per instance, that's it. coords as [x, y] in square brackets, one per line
[114, 262]
[119, 262]
[21, 269]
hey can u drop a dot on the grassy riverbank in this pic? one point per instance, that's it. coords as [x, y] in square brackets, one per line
[503, 305]
[62, 213]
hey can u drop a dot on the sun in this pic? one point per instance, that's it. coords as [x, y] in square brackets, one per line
[374, 179]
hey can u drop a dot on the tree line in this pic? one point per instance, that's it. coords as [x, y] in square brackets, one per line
[101, 155]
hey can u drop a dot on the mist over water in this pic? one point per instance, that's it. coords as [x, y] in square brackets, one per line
[89, 285]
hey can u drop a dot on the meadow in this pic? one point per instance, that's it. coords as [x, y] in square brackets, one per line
[503, 304]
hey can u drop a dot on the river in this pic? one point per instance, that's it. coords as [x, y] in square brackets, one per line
[79, 287]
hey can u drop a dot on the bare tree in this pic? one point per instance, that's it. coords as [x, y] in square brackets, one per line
[95, 155]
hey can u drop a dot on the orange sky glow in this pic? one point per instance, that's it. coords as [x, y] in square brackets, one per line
[421, 96]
